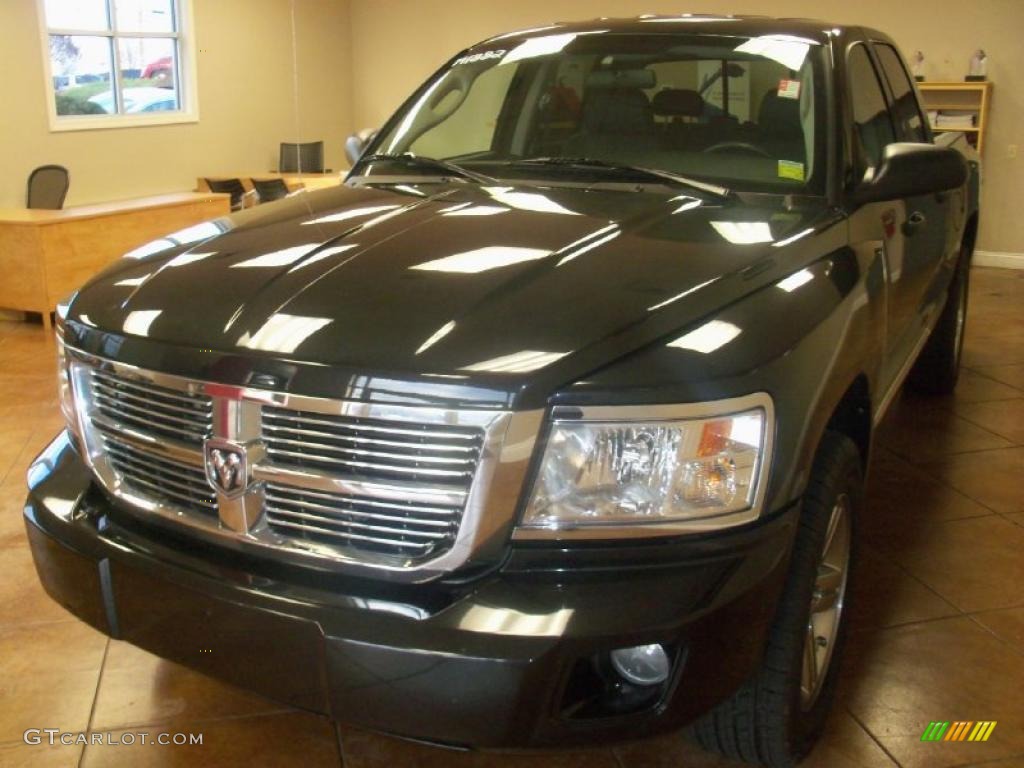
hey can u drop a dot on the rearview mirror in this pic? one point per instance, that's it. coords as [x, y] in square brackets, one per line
[913, 169]
[357, 143]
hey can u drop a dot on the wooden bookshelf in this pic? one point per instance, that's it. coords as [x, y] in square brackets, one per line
[971, 98]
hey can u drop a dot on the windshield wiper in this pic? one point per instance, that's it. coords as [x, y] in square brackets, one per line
[590, 162]
[409, 158]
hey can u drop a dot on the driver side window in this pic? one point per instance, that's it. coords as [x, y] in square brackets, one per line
[871, 120]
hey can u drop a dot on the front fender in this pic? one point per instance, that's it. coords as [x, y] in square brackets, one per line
[804, 340]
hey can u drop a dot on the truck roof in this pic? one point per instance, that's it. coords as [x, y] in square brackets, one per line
[710, 24]
[713, 24]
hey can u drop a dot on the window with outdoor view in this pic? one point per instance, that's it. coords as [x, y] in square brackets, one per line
[116, 62]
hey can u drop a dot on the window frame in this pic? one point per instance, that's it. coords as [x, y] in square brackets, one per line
[183, 36]
[898, 124]
[860, 158]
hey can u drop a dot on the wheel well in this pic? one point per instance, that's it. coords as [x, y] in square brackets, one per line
[852, 417]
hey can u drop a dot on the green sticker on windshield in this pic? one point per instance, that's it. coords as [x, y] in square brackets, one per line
[788, 169]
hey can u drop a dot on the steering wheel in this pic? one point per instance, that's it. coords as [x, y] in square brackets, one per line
[743, 146]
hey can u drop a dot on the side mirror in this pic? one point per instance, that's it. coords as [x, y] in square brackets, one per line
[913, 169]
[357, 143]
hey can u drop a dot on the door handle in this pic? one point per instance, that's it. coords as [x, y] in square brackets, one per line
[913, 223]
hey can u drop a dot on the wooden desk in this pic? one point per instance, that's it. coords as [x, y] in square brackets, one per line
[294, 181]
[45, 255]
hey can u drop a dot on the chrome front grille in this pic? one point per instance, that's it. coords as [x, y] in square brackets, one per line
[157, 410]
[366, 448]
[171, 481]
[388, 489]
[416, 530]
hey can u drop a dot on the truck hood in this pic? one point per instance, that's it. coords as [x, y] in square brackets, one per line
[524, 286]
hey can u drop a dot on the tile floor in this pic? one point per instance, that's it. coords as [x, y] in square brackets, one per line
[938, 616]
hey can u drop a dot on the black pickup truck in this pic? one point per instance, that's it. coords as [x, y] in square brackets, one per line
[550, 424]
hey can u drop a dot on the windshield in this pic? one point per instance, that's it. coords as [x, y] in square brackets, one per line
[744, 113]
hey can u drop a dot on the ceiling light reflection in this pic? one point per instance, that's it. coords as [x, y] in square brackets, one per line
[538, 46]
[326, 253]
[518, 362]
[133, 281]
[682, 295]
[795, 280]
[188, 258]
[788, 50]
[688, 204]
[792, 238]
[150, 248]
[528, 201]
[476, 210]
[281, 258]
[589, 246]
[507, 621]
[744, 232]
[482, 259]
[708, 337]
[137, 323]
[353, 213]
[283, 333]
[439, 334]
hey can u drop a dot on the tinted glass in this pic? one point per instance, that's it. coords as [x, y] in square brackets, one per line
[871, 119]
[905, 111]
[743, 112]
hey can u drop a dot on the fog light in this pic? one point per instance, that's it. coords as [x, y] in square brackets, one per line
[642, 664]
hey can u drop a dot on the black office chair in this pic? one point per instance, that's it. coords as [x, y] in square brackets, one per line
[302, 158]
[233, 187]
[269, 190]
[48, 186]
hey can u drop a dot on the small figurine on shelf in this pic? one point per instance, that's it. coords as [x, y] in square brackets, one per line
[979, 66]
[917, 66]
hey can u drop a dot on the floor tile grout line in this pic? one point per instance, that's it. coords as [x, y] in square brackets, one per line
[872, 736]
[980, 426]
[968, 452]
[1009, 644]
[920, 468]
[95, 699]
[202, 720]
[17, 456]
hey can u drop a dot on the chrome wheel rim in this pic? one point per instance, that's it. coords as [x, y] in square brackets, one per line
[827, 602]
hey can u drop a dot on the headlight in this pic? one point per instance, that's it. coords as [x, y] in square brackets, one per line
[638, 471]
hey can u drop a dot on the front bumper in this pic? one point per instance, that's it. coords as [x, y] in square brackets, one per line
[497, 661]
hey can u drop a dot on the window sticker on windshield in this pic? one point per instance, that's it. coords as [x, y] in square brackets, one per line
[789, 169]
[789, 89]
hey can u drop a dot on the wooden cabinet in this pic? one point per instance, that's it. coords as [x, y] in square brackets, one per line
[44, 255]
[958, 100]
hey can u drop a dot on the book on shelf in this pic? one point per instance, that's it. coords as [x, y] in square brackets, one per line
[953, 120]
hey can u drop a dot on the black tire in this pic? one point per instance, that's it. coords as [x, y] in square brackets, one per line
[767, 721]
[938, 367]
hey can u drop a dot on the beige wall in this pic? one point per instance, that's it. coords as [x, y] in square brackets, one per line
[397, 43]
[247, 99]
